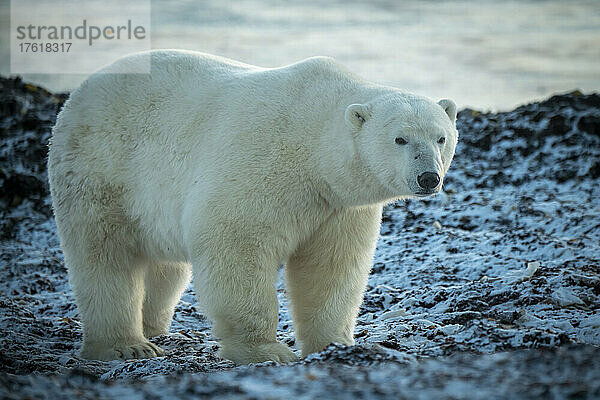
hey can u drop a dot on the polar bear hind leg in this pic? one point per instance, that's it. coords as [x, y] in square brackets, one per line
[109, 297]
[106, 273]
[164, 283]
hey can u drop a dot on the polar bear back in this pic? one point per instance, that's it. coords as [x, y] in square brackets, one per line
[188, 94]
[159, 143]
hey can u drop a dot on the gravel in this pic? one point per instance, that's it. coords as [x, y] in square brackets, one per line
[489, 290]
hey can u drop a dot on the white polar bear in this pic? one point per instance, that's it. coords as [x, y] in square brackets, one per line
[233, 169]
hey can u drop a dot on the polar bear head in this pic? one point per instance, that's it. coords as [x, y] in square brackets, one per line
[404, 142]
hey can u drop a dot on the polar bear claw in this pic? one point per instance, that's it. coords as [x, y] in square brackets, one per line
[122, 351]
[258, 353]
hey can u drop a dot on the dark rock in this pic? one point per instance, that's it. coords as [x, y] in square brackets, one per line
[589, 124]
[557, 125]
[594, 171]
[27, 114]
[507, 142]
[563, 175]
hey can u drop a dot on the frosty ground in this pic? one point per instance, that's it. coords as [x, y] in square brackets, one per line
[489, 290]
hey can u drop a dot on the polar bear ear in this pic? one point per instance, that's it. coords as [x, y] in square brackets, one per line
[450, 107]
[356, 115]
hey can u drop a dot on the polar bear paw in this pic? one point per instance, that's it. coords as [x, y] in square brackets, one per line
[257, 353]
[138, 350]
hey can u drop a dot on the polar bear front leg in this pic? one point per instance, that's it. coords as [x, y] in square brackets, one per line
[326, 277]
[236, 289]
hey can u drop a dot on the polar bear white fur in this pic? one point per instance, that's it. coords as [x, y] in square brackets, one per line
[230, 170]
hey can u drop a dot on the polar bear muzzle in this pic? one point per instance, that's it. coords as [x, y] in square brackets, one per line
[428, 180]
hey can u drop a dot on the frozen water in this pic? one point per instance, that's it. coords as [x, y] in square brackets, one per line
[482, 53]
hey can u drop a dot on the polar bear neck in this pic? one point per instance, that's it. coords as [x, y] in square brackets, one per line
[317, 94]
[320, 91]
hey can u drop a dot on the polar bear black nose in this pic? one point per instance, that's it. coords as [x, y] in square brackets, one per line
[428, 180]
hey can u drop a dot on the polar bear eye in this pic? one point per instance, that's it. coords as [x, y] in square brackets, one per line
[442, 140]
[401, 141]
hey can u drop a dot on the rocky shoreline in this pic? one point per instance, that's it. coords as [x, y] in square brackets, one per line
[489, 290]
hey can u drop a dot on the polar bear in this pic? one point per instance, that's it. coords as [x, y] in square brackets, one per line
[229, 170]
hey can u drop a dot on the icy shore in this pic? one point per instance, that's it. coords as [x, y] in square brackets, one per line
[489, 290]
